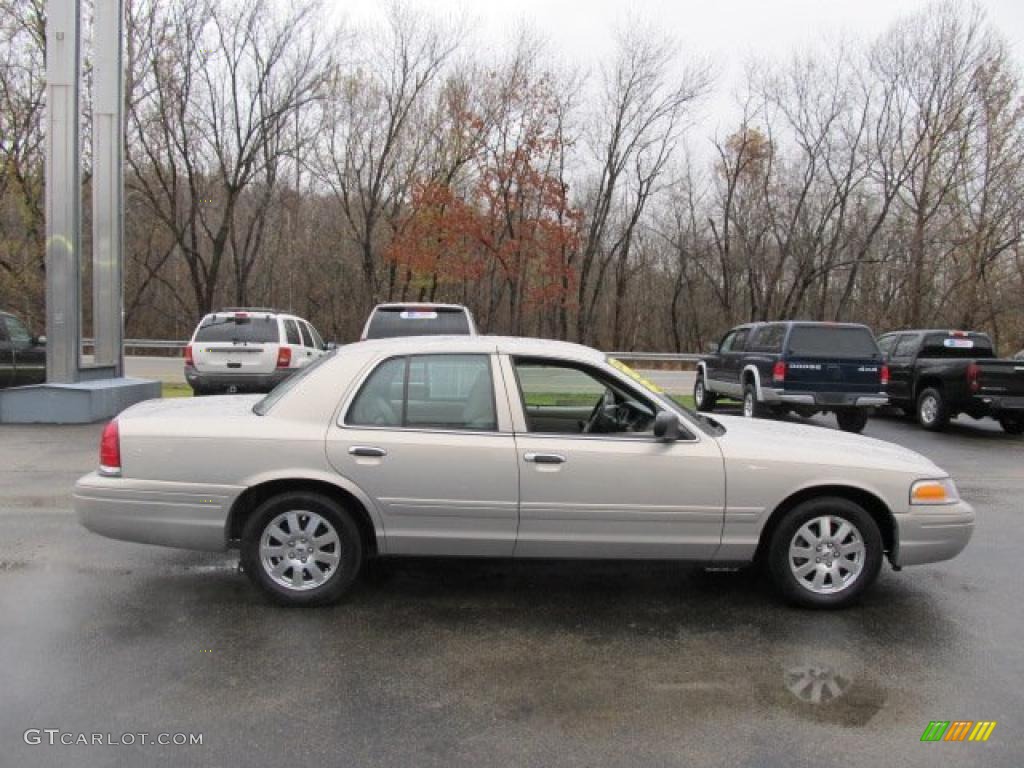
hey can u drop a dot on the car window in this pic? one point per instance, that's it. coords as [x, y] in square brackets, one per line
[3, 329]
[291, 330]
[832, 341]
[238, 328]
[945, 345]
[886, 344]
[726, 344]
[768, 338]
[905, 346]
[318, 342]
[739, 344]
[388, 322]
[564, 398]
[18, 333]
[428, 391]
[307, 338]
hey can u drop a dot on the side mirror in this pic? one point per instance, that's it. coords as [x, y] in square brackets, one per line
[39, 341]
[330, 346]
[666, 426]
[711, 348]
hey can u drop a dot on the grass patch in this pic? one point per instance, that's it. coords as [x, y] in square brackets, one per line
[175, 390]
[685, 400]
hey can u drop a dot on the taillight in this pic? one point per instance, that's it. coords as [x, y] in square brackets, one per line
[188, 355]
[284, 357]
[110, 450]
[973, 372]
[779, 372]
[885, 375]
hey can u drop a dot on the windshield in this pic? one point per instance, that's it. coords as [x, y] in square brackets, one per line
[235, 328]
[289, 384]
[706, 423]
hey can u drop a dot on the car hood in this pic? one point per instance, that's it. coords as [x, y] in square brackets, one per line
[781, 441]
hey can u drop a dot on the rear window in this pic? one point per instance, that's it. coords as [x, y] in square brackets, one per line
[943, 345]
[238, 329]
[412, 321]
[832, 342]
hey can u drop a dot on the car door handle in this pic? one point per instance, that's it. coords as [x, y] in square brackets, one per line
[544, 458]
[367, 450]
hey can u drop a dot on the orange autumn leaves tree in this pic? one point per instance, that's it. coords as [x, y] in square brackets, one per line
[507, 223]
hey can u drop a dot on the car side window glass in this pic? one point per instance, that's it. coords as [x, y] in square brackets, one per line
[886, 344]
[18, 333]
[291, 330]
[307, 339]
[450, 392]
[727, 342]
[564, 399]
[379, 402]
[3, 330]
[905, 346]
[739, 344]
[318, 341]
[768, 338]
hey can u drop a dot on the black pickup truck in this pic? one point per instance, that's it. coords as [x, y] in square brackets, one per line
[937, 374]
[22, 355]
[800, 367]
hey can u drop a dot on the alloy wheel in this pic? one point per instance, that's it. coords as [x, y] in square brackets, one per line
[827, 554]
[929, 409]
[300, 550]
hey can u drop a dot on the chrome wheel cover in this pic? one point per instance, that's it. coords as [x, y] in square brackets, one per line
[929, 409]
[300, 550]
[827, 555]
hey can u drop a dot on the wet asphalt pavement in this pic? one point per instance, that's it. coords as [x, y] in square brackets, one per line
[442, 663]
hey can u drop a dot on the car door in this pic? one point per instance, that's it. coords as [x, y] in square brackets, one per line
[430, 441]
[309, 350]
[618, 493]
[29, 358]
[6, 356]
[717, 366]
[901, 367]
[733, 362]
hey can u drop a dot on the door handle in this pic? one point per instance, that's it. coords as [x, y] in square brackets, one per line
[544, 458]
[367, 450]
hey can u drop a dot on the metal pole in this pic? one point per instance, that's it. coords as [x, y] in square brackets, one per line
[108, 185]
[63, 193]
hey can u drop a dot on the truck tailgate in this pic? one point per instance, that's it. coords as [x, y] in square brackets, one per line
[1004, 378]
[806, 373]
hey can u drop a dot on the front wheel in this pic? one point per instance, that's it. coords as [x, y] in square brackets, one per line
[302, 548]
[825, 553]
[932, 413]
[702, 399]
[852, 419]
[1012, 425]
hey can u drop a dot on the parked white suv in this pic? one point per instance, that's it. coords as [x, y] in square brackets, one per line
[389, 320]
[241, 349]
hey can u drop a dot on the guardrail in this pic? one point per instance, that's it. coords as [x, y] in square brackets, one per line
[654, 357]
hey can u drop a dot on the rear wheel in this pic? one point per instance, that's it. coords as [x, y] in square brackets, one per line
[825, 553]
[702, 399]
[852, 419]
[302, 548]
[752, 409]
[932, 412]
[1012, 425]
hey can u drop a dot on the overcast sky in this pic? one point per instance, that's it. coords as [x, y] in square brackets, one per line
[729, 31]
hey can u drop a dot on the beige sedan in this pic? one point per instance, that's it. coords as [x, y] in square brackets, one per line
[507, 447]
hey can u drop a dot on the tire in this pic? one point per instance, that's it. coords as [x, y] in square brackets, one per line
[1012, 425]
[814, 585]
[852, 419]
[703, 399]
[338, 561]
[932, 413]
[752, 409]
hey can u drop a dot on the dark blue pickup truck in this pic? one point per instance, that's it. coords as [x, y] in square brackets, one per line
[799, 367]
[22, 355]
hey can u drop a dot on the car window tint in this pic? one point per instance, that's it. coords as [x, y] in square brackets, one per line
[905, 346]
[739, 343]
[560, 398]
[832, 342]
[235, 328]
[886, 344]
[307, 338]
[379, 402]
[956, 346]
[388, 322]
[768, 338]
[17, 332]
[726, 344]
[3, 329]
[291, 330]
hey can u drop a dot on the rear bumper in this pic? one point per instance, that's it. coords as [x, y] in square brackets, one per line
[997, 405]
[931, 534]
[242, 382]
[149, 512]
[825, 399]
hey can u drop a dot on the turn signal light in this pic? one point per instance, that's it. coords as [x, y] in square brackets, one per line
[284, 357]
[934, 492]
[110, 450]
[779, 372]
[188, 355]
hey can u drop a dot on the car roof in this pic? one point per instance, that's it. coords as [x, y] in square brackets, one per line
[511, 345]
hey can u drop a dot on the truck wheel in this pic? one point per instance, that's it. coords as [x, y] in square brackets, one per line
[752, 409]
[702, 399]
[932, 413]
[302, 548]
[1012, 425]
[825, 552]
[852, 419]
